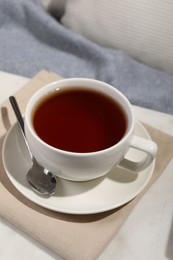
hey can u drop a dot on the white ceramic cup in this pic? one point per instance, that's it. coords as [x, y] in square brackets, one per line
[87, 166]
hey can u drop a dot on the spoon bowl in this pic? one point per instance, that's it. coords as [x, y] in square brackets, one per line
[41, 180]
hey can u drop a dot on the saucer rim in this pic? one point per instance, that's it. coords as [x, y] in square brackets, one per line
[45, 202]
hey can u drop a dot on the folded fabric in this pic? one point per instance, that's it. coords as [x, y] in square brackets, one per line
[74, 237]
[32, 40]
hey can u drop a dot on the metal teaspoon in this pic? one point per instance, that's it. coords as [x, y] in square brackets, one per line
[40, 179]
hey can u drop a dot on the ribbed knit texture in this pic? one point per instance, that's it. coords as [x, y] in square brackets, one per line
[142, 28]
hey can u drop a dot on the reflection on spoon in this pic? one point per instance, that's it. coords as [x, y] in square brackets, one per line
[40, 179]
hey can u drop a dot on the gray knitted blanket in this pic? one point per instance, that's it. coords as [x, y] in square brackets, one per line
[32, 40]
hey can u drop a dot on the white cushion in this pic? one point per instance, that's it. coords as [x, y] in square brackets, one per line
[142, 28]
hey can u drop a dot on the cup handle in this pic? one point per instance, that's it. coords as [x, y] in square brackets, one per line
[144, 145]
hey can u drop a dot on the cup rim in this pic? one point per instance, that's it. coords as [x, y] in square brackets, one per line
[51, 87]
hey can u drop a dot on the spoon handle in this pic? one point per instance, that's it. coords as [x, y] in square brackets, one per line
[21, 122]
[17, 112]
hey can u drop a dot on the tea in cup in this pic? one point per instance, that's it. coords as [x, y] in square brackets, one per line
[80, 129]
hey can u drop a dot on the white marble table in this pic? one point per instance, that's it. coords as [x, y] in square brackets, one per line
[147, 234]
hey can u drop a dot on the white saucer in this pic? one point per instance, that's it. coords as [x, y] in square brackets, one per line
[102, 194]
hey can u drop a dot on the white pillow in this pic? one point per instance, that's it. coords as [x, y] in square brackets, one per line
[142, 28]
